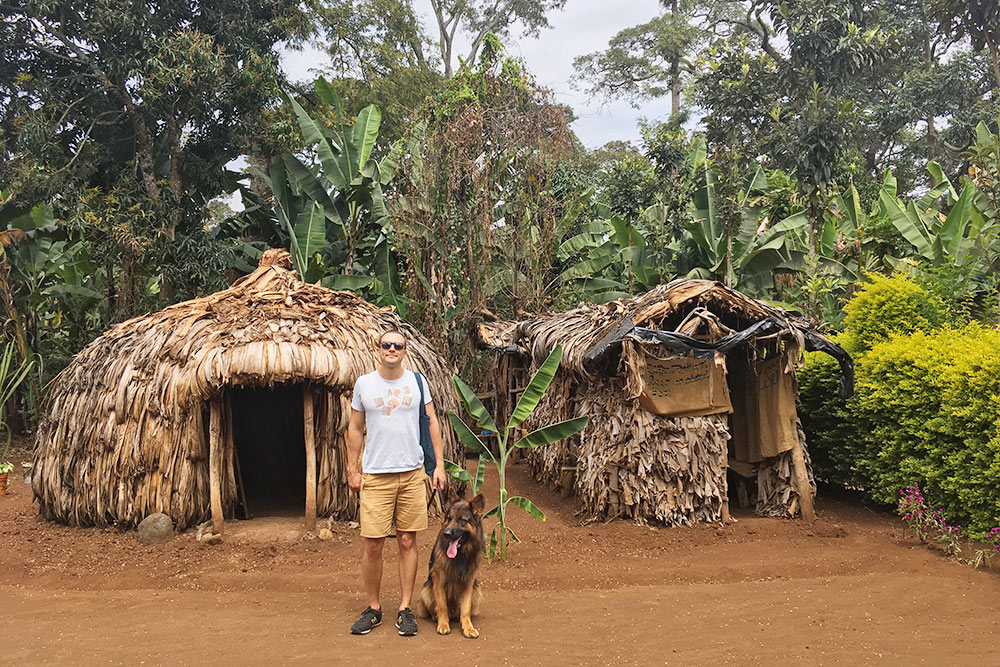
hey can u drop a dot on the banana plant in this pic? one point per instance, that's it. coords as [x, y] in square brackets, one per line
[501, 532]
[332, 207]
[753, 253]
[609, 258]
[936, 237]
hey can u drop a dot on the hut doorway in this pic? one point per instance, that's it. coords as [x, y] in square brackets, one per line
[270, 448]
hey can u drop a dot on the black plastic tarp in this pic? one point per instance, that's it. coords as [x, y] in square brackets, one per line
[610, 346]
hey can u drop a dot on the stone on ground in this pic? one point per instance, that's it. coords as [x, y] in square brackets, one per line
[156, 529]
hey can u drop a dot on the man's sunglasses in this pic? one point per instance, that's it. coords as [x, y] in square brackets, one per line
[388, 346]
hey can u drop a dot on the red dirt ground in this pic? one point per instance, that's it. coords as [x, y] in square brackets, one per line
[849, 589]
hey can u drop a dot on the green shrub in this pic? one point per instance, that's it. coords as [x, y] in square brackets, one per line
[886, 306]
[927, 408]
[830, 432]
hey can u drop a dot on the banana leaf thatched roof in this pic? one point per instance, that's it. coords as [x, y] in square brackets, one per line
[591, 335]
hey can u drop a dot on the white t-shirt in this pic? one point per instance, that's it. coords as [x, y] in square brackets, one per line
[392, 441]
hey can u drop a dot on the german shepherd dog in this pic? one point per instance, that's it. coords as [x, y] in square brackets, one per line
[451, 589]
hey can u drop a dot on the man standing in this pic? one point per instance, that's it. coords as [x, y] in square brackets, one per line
[392, 486]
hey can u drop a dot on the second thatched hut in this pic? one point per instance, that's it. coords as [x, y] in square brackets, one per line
[228, 405]
[687, 387]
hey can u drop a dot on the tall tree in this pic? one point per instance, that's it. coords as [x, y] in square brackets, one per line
[116, 101]
[653, 59]
[479, 18]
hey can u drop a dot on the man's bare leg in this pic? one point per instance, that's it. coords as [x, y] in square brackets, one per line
[407, 541]
[371, 569]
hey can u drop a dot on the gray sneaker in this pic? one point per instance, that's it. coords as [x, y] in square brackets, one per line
[370, 618]
[405, 623]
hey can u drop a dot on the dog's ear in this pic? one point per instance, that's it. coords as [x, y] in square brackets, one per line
[451, 496]
[478, 503]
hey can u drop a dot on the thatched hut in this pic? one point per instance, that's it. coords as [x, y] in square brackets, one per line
[228, 405]
[687, 387]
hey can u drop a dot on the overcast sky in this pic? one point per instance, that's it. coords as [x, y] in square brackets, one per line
[584, 26]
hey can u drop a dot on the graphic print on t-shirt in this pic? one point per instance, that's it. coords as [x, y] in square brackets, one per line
[394, 398]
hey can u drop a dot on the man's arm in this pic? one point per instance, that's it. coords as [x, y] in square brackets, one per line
[438, 480]
[355, 433]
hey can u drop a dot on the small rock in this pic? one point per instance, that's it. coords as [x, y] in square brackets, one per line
[211, 538]
[353, 524]
[156, 529]
[325, 534]
[203, 529]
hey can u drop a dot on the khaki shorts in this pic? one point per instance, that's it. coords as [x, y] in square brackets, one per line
[393, 495]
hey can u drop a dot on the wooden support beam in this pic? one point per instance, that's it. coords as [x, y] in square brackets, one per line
[215, 453]
[310, 431]
[802, 481]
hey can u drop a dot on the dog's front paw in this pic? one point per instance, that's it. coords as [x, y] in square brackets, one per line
[444, 629]
[469, 632]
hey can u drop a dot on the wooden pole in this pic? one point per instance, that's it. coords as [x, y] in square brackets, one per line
[215, 463]
[802, 481]
[726, 518]
[307, 422]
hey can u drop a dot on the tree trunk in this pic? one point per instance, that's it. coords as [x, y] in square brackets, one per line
[994, 58]
[675, 74]
[174, 152]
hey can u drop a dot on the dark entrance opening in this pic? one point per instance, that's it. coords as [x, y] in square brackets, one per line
[270, 448]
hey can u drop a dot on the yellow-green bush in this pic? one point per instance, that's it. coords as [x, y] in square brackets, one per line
[887, 306]
[927, 409]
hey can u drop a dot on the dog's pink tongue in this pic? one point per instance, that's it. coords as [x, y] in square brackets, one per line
[452, 548]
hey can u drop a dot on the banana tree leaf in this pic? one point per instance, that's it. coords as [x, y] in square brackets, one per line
[473, 406]
[329, 96]
[931, 196]
[601, 284]
[756, 182]
[853, 215]
[366, 132]
[625, 234]
[889, 183]
[588, 267]
[72, 290]
[608, 296]
[384, 268]
[793, 222]
[760, 261]
[310, 236]
[552, 433]
[528, 507]
[938, 173]
[457, 472]
[312, 132]
[911, 228]
[480, 475]
[533, 392]
[342, 282]
[378, 210]
[574, 244]
[983, 135]
[311, 186]
[955, 225]
[828, 239]
[468, 438]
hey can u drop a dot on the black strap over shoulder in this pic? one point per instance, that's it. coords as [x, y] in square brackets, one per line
[424, 419]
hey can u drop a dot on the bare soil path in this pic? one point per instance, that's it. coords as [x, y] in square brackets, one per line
[849, 589]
